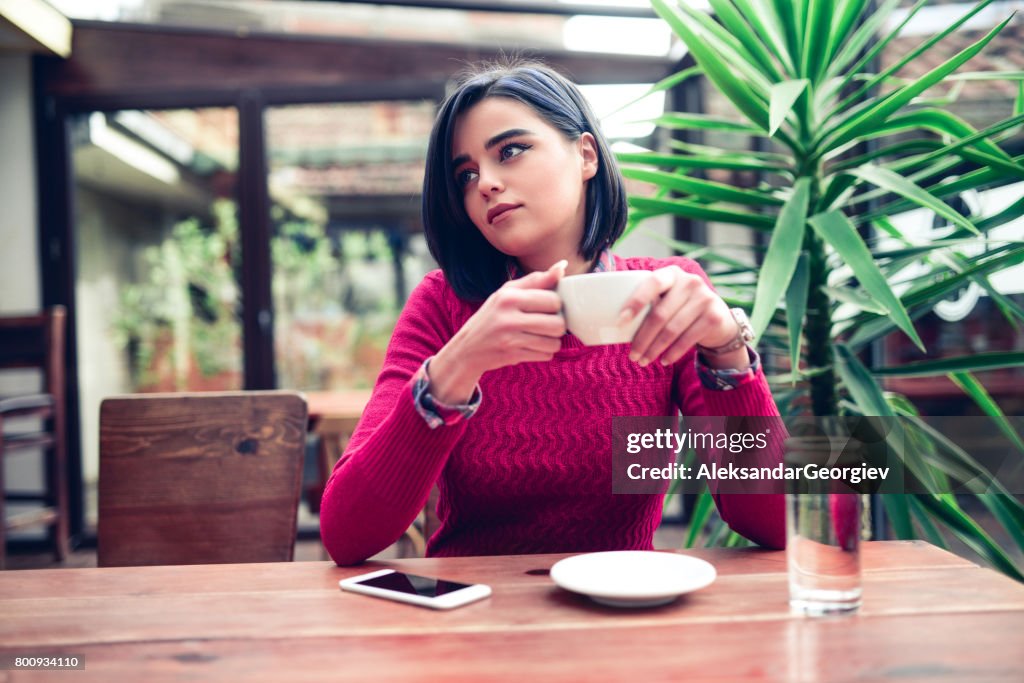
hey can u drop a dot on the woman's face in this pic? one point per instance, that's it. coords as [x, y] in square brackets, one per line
[523, 181]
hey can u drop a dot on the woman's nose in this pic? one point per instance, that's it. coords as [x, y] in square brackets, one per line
[490, 182]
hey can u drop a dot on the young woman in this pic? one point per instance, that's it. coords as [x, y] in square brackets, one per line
[485, 394]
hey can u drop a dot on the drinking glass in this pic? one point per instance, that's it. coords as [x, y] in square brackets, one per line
[822, 533]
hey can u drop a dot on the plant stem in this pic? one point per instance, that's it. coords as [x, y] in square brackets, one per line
[818, 330]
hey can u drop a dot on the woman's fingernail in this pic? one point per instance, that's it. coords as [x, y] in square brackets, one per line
[634, 356]
[561, 265]
[625, 316]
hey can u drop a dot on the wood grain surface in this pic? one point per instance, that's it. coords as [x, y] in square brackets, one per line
[200, 478]
[927, 615]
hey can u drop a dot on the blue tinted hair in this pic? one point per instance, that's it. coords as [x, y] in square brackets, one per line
[473, 267]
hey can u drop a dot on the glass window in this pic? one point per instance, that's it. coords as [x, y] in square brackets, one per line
[158, 258]
[345, 181]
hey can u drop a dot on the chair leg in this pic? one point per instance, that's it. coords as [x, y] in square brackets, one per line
[414, 539]
[57, 494]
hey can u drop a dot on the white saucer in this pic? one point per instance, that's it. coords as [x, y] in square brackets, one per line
[632, 578]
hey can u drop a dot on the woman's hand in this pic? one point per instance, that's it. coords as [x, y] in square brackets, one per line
[685, 312]
[519, 323]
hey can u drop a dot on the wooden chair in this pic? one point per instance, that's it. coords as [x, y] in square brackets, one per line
[200, 478]
[35, 422]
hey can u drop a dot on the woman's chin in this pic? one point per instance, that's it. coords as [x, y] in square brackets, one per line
[516, 248]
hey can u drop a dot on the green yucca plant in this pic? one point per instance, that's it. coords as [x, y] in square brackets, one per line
[849, 149]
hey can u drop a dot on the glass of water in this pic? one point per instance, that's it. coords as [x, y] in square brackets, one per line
[822, 532]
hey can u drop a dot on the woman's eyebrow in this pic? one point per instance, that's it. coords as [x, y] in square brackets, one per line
[496, 140]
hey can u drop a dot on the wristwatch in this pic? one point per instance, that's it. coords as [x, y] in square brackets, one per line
[744, 335]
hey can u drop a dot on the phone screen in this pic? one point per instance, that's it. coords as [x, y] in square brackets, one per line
[414, 585]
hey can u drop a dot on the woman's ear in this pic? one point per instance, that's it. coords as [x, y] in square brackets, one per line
[588, 152]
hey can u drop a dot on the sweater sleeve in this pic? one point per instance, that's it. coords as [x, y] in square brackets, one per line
[759, 517]
[394, 458]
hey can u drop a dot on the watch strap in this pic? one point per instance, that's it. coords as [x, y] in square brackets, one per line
[744, 336]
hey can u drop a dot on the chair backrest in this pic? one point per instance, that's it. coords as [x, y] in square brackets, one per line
[200, 478]
[36, 341]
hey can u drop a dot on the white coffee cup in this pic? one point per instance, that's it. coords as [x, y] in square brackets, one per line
[592, 304]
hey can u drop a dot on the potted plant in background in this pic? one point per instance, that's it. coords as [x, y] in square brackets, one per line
[799, 73]
[180, 322]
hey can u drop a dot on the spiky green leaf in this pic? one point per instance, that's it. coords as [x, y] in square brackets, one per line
[894, 182]
[974, 363]
[782, 97]
[782, 256]
[706, 189]
[837, 230]
[865, 121]
[796, 308]
[973, 388]
[655, 207]
[717, 70]
[864, 389]
[731, 162]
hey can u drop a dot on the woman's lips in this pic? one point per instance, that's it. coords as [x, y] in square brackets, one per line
[497, 212]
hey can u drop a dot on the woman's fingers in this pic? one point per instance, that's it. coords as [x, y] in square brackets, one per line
[667, 319]
[679, 335]
[648, 291]
[544, 324]
[540, 343]
[534, 293]
[681, 345]
[538, 301]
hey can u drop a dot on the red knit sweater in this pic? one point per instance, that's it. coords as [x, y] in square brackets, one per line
[530, 472]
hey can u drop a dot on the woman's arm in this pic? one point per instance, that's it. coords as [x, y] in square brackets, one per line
[382, 481]
[757, 516]
[761, 517]
[384, 477]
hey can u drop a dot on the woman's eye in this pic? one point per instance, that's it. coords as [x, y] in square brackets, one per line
[463, 178]
[512, 150]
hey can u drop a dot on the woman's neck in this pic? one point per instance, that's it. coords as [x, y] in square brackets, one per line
[577, 264]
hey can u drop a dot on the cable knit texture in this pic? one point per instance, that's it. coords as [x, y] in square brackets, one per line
[531, 471]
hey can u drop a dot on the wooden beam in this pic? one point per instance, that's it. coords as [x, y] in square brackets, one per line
[120, 60]
[516, 7]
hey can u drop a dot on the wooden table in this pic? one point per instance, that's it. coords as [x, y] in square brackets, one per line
[333, 416]
[927, 615]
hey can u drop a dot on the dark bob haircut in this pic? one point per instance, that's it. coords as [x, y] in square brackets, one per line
[473, 267]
